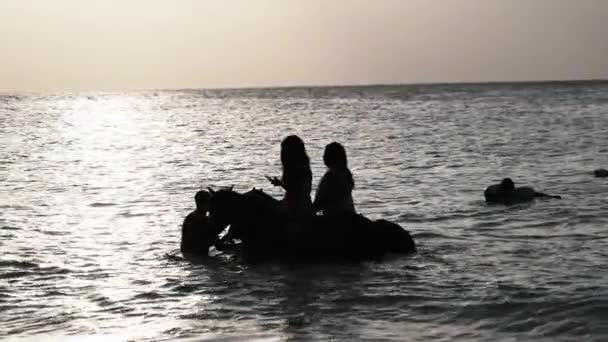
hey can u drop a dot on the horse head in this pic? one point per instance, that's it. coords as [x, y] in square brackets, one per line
[225, 206]
[228, 207]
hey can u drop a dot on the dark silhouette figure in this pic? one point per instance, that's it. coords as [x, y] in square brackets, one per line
[296, 179]
[601, 173]
[254, 220]
[236, 231]
[334, 193]
[507, 193]
[198, 234]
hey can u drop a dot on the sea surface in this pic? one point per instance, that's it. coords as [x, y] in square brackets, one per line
[94, 187]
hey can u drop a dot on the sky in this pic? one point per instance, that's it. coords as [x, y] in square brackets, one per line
[158, 44]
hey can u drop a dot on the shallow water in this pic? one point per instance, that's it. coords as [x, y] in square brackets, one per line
[94, 188]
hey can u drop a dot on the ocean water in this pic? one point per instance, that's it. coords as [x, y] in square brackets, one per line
[94, 186]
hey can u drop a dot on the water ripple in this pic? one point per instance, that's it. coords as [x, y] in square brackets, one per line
[99, 184]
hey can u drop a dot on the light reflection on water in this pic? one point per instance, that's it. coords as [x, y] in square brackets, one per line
[95, 187]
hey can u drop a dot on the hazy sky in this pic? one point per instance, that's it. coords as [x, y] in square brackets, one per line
[124, 44]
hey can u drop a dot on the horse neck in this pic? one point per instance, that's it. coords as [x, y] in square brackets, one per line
[249, 208]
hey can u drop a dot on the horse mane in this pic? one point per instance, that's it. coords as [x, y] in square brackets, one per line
[261, 198]
[229, 202]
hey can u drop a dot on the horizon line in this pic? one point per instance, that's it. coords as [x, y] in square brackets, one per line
[364, 85]
[313, 86]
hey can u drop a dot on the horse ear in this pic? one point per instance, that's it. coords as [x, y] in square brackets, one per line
[231, 187]
[211, 191]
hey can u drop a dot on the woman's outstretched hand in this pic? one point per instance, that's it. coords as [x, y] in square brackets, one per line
[274, 181]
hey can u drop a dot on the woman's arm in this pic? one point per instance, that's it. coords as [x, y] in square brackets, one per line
[275, 181]
[321, 194]
[540, 194]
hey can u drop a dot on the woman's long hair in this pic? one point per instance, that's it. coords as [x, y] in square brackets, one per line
[293, 153]
[335, 158]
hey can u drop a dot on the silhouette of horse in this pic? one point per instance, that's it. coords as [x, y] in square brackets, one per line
[252, 218]
[255, 219]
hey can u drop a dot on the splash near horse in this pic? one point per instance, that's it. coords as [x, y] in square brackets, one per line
[254, 218]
